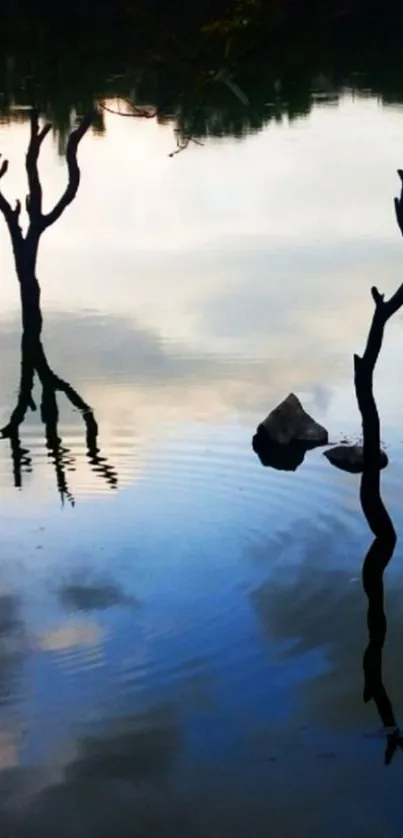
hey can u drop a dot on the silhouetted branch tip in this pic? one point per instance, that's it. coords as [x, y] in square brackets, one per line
[34, 201]
[73, 172]
[377, 296]
[81, 129]
[44, 132]
[3, 168]
[37, 136]
[398, 202]
[11, 215]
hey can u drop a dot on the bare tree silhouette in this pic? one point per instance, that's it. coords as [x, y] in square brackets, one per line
[378, 518]
[33, 357]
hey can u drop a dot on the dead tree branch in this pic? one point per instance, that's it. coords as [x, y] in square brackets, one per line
[384, 310]
[33, 358]
[11, 215]
[34, 197]
[34, 361]
[38, 222]
[73, 173]
[382, 548]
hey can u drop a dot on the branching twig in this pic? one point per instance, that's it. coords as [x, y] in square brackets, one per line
[383, 309]
[33, 360]
[73, 173]
[37, 221]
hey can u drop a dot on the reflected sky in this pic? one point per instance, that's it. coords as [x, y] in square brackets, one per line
[201, 629]
[211, 284]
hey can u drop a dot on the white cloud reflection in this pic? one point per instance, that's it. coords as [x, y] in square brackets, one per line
[209, 285]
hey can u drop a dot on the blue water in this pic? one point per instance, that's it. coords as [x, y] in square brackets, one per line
[182, 654]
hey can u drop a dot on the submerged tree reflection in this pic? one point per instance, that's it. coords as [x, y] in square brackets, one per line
[378, 518]
[33, 358]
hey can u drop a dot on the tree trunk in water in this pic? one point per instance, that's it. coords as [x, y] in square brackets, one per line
[30, 305]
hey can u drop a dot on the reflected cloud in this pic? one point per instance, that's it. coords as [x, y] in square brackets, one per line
[141, 385]
[9, 746]
[141, 748]
[316, 609]
[245, 296]
[90, 594]
[14, 645]
[117, 780]
[71, 634]
[313, 611]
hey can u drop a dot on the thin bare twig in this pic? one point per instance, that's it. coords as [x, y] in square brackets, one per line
[136, 111]
[182, 144]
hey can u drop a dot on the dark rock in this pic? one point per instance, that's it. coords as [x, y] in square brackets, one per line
[283, 439]
[289, 422]
[351, 458]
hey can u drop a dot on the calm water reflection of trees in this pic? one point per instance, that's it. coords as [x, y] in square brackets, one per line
[212, 68]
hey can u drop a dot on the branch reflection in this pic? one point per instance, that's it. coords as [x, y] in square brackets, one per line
[379, 522]
[34, 362]
[33, 358]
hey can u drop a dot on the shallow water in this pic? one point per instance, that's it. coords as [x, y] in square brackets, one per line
[181, 635]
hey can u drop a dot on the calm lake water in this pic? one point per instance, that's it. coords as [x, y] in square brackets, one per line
[181, 654]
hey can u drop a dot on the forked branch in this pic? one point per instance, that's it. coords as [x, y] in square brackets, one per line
[73, 173]
[38, 222]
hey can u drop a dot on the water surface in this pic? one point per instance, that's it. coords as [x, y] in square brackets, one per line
[181, 653]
